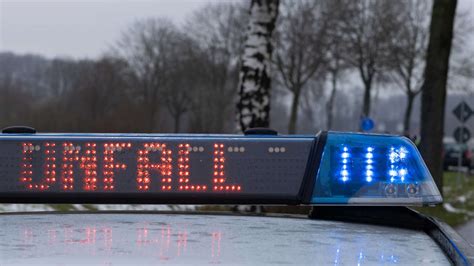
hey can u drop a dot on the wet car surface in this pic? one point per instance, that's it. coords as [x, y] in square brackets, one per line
[135, 238]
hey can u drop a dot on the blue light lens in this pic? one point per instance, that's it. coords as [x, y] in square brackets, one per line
[373, 169]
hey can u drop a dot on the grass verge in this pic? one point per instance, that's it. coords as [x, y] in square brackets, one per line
[458, 204]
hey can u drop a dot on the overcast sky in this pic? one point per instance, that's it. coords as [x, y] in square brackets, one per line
[78, 28]
[87, 28]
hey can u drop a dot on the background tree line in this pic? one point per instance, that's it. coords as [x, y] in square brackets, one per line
[334, 61]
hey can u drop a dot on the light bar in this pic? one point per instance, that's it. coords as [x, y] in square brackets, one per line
[331, 168]
[373, 170]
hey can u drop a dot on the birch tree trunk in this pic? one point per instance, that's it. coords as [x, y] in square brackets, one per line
[253, 108]
[434, 87]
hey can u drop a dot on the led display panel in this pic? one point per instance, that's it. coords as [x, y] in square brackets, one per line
[162, 168]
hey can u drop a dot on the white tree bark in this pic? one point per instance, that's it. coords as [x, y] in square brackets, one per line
[253, 108]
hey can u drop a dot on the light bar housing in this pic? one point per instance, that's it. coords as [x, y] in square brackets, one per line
[373, 170]
[329, 168]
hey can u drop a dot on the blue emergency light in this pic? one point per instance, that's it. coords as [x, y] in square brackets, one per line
[372, 170]
[329, 168]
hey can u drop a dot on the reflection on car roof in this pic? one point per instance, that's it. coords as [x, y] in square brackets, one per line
[132, 239]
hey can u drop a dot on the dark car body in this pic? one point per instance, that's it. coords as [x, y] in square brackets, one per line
[452, 152]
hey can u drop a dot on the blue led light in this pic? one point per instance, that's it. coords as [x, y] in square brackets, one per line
[369, 173]
[402, 153]
[392, 173]
[402, 172]
[344, 177]
[373, 169]
[397, 160]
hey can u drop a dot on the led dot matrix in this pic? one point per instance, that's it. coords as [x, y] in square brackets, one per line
[49, 166]
[219, 171]
[110, 164]
[184, 170]
[145, 166]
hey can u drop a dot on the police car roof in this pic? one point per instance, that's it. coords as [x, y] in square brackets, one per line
[140, 238]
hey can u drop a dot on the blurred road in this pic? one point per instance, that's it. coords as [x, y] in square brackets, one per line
[467, 231]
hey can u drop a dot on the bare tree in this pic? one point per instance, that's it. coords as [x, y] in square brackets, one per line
[61, 81]
[368, 27]
[312, 106]
[335, 69]
[301, 36]
[97, 97]
[461, 62]
[434, 86]
[218, 31]
[185, 77]
[408, 51]
[15, 103]
[145, 46]
[60, 77]
[335, 54]
[253, 107]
